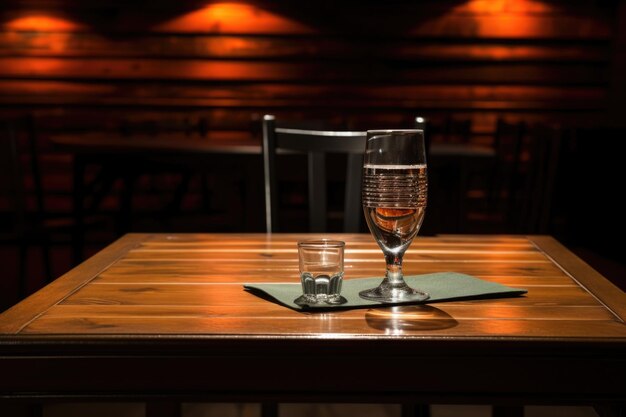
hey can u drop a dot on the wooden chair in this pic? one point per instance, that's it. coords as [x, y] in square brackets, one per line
[316, 144]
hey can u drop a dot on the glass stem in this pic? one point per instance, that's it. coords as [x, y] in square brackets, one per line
[394, 269]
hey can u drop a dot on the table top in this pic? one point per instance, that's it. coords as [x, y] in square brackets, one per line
[222, 142]
[234, 142]
[181, 295]
[192, 284]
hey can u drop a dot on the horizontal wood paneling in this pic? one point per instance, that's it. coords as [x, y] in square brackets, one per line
[92, 65]
[84, 44]
[542, 59]
[272, 95]
[312, 72]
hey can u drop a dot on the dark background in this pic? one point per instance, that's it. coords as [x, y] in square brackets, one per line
[114, 66]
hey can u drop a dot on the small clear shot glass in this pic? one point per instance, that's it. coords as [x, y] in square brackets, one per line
[321, 271]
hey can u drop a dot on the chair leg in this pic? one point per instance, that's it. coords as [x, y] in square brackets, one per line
[415, 410]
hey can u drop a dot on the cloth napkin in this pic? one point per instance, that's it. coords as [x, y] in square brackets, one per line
[442, 286]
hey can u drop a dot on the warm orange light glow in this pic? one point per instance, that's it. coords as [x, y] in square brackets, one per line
[504, 321]
[508, 19]
[505, 6]
[505, 26]
[505, 327]
[40, 22]
[233, 18]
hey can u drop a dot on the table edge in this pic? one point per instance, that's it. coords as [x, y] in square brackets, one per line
[235, 344]
[607, 293]
[13, 320]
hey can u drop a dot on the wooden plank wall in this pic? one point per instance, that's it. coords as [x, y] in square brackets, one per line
[94, 65]
[368, 63]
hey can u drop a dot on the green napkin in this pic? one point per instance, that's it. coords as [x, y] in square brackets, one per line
[442, 286]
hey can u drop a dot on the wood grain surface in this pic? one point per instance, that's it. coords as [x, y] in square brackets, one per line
[166, 316]
[193, 284]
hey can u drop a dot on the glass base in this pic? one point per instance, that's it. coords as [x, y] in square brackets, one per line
[311, 300]
[388, 292]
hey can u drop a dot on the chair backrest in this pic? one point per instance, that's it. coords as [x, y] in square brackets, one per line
[424, 124]
[315, 143]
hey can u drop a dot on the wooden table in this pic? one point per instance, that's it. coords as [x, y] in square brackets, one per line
[167, 143]
[230, 155]
[165, 316]
[235, 142]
